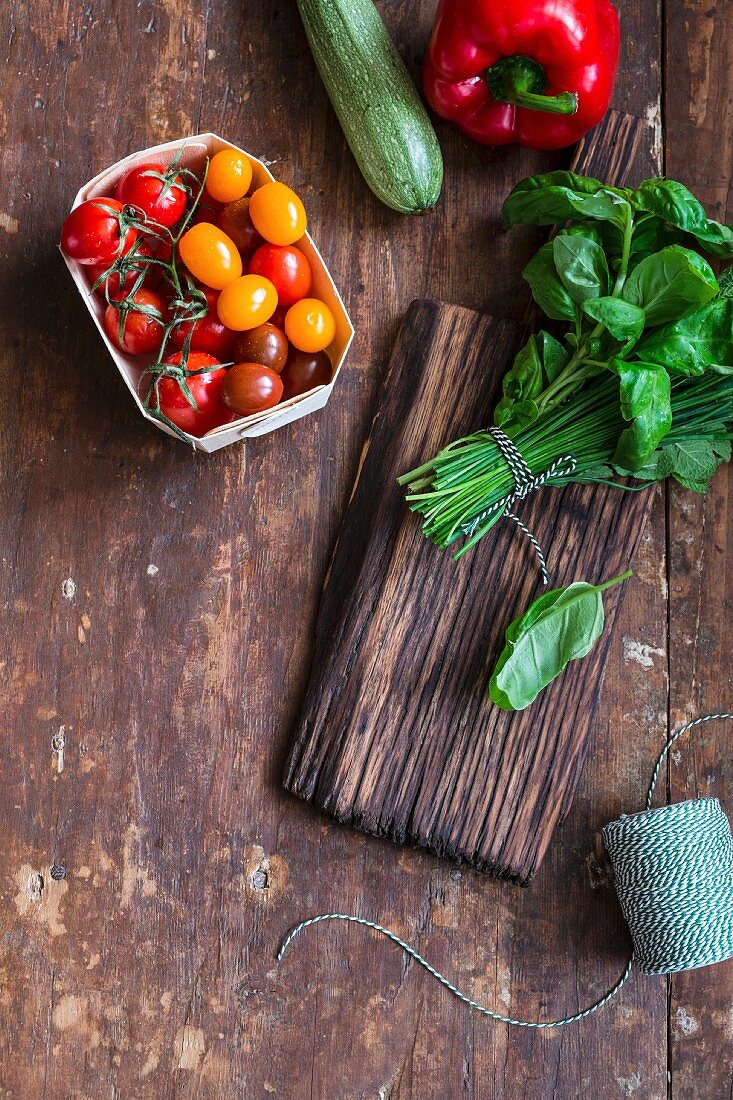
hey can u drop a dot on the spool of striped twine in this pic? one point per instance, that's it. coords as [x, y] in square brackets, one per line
[673, 871]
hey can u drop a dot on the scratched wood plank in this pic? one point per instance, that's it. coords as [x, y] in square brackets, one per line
[148, 972]
[700, 153]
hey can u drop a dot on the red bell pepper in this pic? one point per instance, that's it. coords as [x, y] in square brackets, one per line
[536, 72]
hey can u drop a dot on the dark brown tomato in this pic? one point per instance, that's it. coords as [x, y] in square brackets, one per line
[250, 388]
[265, 344]
[234, 220]
[304, 371]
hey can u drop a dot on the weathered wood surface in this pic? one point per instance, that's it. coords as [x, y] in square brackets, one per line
[149, 971]
[396, 736]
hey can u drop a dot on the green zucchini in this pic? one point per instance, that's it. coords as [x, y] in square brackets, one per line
[377, 104]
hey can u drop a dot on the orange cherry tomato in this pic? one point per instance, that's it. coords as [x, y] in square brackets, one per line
[277, 213]
[229, 175]
[310, 325]
[210, 255]
[247, 303]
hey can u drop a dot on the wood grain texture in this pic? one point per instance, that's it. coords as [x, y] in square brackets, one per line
[396, 735]
[699, 152]
[149, 973]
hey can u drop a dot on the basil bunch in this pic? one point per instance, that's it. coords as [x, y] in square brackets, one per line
[626, 275]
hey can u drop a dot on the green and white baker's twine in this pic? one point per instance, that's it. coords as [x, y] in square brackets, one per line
[673, 870]
[525, 482]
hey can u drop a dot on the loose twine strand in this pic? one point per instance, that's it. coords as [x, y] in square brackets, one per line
[525, 482]
[673, 869]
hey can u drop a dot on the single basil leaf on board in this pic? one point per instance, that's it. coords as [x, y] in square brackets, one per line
[645, 401]
[623, 320]
[694, 344]
[553, 354]
[674, 203]
[546, 286]
[670, 284]
[561, 626]
[521, 384]
[582, 267]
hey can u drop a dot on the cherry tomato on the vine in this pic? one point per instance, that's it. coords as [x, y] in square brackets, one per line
[92, 232]
[210, 255]
[277, 213]
[229, 175]
[110, 287]
[206, 390]
[208, 333]
[304, 371]
[266, 344]
[247, 302]
[141, 332]
[287, 269]
[249, 388]
[310, 325]
[162, 201]
[235, 221]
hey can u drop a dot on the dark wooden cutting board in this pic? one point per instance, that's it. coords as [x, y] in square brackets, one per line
[397, 736]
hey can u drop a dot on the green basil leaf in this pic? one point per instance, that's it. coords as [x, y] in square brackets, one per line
[670, 284]
[693, 486]
[645, 401]
[691, 346]
[559, 627]
[553, 354]
[657, 467]
[674, 203]
[521, 384]
[546, 286]
[725, 282]
[582, 267]
[623, 320]
[555, 197]
[694, 460]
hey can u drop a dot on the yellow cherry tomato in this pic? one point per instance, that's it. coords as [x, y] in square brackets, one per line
[210, 255]
[277, 214]
[247, 303]
[229, 176]
[309, 325]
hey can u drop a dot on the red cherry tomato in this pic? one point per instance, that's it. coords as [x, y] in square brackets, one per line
[304, 371]
[249, 388]
[91, 233]
[287, 269]
[162, 202]
[235, 221]
[278, 318]
[206, 390]
[141, 332]
[265, 344]
[208, 333]
[137, 256]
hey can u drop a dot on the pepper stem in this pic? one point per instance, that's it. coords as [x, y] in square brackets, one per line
[522, 82]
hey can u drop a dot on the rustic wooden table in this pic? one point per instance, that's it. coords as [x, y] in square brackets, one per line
[159, 607]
